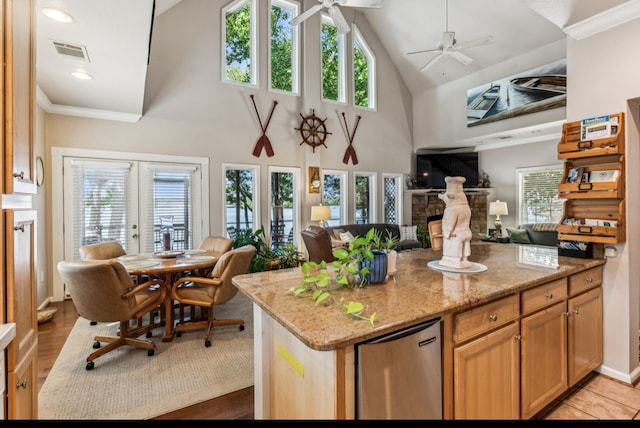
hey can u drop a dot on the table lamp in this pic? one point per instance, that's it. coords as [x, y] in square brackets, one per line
[497, 209]
[321, 213]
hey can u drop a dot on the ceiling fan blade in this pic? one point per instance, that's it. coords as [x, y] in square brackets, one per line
[431, 62]
[475, 42]
[304, 15]
[460, 57]
[361, 3]
[338, 19]
[424, 51]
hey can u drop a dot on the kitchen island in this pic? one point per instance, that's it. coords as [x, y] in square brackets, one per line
[304, 354]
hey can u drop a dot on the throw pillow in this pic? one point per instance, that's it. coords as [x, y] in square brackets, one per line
[518, 236]
[545, 227]
[336, 243]
[337, 232]
[346, 237]
[408, 233]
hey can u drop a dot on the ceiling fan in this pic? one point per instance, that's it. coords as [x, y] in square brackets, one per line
[332, 8]
[449, 46]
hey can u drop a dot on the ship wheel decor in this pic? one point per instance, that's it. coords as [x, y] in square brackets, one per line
[313, 130]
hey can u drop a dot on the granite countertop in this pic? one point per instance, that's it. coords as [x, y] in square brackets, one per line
[417, 294]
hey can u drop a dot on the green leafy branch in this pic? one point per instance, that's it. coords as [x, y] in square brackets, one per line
[317, 284]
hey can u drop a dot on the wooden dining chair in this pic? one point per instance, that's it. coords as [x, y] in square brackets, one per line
[208, 292]
[103, 290]
[435, 234]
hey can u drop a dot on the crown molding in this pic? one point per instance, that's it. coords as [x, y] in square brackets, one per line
[604, 20]
[44, 102]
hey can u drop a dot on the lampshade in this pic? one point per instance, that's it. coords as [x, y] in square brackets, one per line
[498, 208]
[320, 213]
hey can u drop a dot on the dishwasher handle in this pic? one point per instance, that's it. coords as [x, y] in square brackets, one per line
[407, 332]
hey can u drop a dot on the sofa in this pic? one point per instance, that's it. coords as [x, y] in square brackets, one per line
[537, 234]
[406, 235]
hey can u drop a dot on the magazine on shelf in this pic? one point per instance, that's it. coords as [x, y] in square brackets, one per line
[574, 175]
[598, 127]
[604, 175]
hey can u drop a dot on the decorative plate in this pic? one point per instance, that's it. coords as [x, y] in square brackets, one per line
[194, 260]
[195, 251]
[171, 254]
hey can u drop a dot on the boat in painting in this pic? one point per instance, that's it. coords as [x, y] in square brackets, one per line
[481, 104]
[549, 84]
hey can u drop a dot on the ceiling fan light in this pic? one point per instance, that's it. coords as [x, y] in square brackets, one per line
[57, 15]
[82, 75]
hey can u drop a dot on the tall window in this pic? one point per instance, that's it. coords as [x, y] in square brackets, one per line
[365, 197]
[392, 198]
[239, 29]
[364, 68]
[538, 200]
[284, 48]
[334, 194]
[284, 202]
[333, 61]
[240, 196]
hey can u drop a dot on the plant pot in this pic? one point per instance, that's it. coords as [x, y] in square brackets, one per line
[392, 256]
[377, 268]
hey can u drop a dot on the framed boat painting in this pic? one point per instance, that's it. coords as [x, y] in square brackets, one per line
[538, 89]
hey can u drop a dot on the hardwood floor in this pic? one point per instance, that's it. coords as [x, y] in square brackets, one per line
[596, 397]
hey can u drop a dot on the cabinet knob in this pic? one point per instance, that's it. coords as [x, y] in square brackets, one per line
[549, 295]
[19, 175]
[589, 279]
[518, 337]
[20, 228]
[493, 317]
[576, 312]
[23, 384]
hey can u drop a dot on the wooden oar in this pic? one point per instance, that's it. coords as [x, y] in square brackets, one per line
[263, 141]
[350, 152]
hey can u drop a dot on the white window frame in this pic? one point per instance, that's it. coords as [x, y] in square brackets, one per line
[57, 207]
[398, 178]
[297, 198]
[359, 39]
[342, 63]
[520, 172]
[255, 66]
[294, 7]
[255, 173]
[373, 195]
[344, 192]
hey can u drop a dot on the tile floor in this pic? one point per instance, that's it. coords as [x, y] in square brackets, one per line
[597, 397]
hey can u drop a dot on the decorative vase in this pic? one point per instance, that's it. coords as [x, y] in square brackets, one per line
[392, 256]
[377, 267]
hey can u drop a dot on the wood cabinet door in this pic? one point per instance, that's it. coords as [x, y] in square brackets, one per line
[584, 334]
[22, 388]
[486, 376]
[20, 286]
[19, 94]
[544, 358]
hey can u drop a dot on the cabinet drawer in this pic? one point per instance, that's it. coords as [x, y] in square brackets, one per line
[484, 318]
[583, 281]
[543, 295]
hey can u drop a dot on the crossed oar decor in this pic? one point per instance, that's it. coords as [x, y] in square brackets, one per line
[351, 152]
[263, 141]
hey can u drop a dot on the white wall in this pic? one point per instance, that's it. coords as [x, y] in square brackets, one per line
[604, 80]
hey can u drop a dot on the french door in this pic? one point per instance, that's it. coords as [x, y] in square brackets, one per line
[125, 197]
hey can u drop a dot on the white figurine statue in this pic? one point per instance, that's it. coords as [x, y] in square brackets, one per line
[456, 233]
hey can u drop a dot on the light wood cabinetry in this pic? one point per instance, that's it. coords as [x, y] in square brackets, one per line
[17, 179]
[594, 210]
[20, 292]
[514, 356]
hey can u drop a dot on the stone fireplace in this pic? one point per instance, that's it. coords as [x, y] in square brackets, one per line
[427, 204]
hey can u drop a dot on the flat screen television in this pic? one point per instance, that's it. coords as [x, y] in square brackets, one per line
[431, 169]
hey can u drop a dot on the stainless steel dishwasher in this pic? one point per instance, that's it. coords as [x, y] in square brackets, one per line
[399, 375]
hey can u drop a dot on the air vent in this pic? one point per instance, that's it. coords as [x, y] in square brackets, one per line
[72, 51]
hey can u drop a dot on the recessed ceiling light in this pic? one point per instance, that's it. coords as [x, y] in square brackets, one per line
[57, 15]
[82, 75]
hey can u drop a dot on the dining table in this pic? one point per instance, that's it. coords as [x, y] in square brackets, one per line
[169, 266]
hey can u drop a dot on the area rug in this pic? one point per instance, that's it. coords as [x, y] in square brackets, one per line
[128, 384]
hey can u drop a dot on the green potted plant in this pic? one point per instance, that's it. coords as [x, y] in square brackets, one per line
[423, 235]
